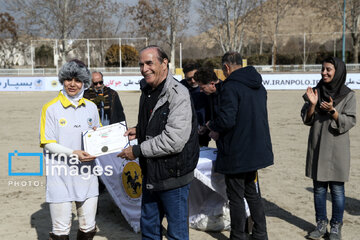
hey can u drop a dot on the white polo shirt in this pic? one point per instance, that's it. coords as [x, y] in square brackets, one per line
[61, 122]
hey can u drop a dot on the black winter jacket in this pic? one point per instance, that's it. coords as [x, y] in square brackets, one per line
[244, 144]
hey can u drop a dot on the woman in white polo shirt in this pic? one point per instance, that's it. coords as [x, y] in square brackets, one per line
[68, 168]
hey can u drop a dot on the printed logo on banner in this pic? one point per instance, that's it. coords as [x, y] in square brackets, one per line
[17, 157]
[132, 179]
[38, 84]
[54, 83]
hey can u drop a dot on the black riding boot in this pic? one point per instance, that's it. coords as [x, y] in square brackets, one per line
[58, 237]
[86, 235]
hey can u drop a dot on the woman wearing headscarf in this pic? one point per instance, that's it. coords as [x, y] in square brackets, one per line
[330, 110]
[68, 168]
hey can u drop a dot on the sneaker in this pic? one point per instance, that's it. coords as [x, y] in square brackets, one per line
[319, 231]
[335, 231]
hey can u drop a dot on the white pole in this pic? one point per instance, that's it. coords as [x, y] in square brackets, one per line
[120, 67]
[304, 50]
[57, 57]
[32, 57]
[88, 52]
[180, 56]
[334, 45]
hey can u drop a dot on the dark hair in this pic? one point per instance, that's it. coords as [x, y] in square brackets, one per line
[205, 75]
[331, 60]
[102, 76]
[190, 67]
[161, 53]
[233, 58]
[75, 69]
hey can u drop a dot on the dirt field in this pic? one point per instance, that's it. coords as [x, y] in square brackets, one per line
[287, 192]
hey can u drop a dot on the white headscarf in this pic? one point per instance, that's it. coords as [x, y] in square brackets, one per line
[74, 99]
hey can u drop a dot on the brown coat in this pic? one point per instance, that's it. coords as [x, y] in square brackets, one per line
[328, 154]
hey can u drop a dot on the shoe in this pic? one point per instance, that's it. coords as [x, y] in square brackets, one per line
[86, 235]
[58, 237]
[319, 231]
[335, 231]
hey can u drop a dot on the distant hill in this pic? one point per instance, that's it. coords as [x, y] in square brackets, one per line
[304, 18]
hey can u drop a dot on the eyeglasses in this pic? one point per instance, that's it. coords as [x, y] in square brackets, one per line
[97, 83]
[189, 79]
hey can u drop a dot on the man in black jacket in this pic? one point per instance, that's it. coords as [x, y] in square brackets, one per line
[168, 147]
[243, 138]
[210, 85]
[200, 100]
[107, 100]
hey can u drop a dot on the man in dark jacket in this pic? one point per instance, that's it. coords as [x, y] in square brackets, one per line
[107, 100]
[210, 85]
[243, 138]
[200, 100]
[168, 147]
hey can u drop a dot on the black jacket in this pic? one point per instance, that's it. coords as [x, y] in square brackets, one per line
[112, 104]
[244, 144]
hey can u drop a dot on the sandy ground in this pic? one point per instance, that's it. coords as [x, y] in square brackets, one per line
[287, 192]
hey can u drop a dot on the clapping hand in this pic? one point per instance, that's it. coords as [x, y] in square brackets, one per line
[327, 106]
[312, 95]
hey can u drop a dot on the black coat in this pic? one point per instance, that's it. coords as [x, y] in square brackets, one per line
[244, 144]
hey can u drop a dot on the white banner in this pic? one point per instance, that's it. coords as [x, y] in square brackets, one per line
[302, 81]
[131, 83]
[22, 84]
[124, 185]
[208, 209]
[118, 83]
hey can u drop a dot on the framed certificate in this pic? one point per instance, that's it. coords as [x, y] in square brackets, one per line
[105, 140]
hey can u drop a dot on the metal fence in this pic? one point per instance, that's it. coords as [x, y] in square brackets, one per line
[53, 72]
[136, 70]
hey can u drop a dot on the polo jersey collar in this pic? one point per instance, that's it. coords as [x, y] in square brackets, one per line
[66, 102]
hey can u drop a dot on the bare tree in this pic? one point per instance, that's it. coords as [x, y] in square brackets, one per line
[53, 19]
[352, 16]
[176, 11]
[161, 21]
[277, 9]
[8, 38]
[98, 23]
[335, 16]
[261, 26]
[354, 25]
[224, 21]
[146, 21]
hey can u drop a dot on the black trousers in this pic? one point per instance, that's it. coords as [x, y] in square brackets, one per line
[238, 187]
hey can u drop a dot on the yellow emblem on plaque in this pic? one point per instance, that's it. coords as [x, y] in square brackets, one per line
[132, 179]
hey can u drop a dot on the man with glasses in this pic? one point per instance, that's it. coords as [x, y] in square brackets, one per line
[106, 99]
[200, 100]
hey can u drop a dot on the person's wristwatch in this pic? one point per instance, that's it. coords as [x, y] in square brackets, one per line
[332, 111]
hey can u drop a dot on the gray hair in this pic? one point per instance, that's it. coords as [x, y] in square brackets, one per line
[75, 69]
[161, 53]
[233, 58]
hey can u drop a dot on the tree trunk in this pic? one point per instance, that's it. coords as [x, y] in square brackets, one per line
[172, 53]
[356, 49]
[273, 57]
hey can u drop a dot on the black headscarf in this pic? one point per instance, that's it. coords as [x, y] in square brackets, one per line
[336, 89]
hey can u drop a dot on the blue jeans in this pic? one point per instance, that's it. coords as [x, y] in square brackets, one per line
[172, 203]
[337, 191]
